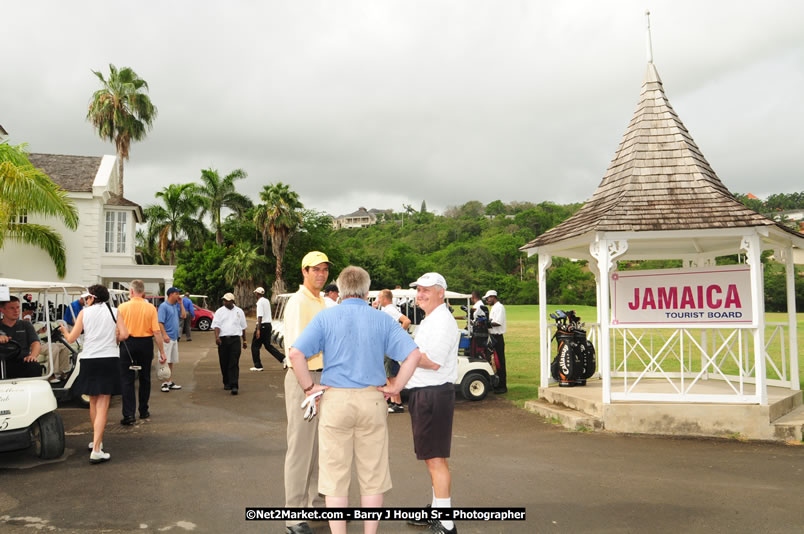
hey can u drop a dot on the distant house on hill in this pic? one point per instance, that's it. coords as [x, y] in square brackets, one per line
[102, 249]
[358, 219]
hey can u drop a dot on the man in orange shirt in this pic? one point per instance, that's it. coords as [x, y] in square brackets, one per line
[140, 317]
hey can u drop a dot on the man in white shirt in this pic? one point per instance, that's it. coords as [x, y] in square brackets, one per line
[229, 323]
[262, 332]
[385, 303]
[331, 295]
[496, 331]
[432, 391]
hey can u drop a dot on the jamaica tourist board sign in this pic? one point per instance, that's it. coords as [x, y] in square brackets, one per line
[716, 296]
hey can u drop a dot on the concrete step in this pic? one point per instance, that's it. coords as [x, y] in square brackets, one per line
[790, 427]
[574, 398]
[569, 418]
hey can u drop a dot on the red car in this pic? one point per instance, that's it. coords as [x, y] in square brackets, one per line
[203, 317]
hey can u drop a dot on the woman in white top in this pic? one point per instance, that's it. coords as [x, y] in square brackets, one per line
[100, 370]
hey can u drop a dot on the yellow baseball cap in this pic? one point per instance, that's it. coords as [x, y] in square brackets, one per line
[314, 258]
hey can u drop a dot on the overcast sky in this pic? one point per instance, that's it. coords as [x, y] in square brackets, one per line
[377, 103]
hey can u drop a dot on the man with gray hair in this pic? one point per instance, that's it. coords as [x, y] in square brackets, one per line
[432, 394]
[354, 338]
[142, 321]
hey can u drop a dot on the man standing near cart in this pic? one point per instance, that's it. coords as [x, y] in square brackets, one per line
[496, 331]
[432, 394]
[262, 332]
[142, 321]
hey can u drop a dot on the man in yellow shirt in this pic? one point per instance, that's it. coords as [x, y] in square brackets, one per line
[301, 460]
[141, 319]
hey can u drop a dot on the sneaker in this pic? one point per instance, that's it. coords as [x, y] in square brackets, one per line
[437, 527]
[395, 408]
[165, 387]
[92, 445]
[256, 369]
[173, 385]
[234, 390]
[98, 457]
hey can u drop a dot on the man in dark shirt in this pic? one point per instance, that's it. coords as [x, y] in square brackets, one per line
[23, 332]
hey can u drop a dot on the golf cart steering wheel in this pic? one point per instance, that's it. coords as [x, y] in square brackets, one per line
[10, 350]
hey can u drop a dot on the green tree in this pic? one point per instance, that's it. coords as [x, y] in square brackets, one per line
[216, 193]
[278, 218]
[121, 111]
[175, 219]
[26, 191]
[241, 267]
[496, 208]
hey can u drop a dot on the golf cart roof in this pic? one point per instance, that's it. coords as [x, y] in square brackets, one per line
[28, 285]
[411, 294]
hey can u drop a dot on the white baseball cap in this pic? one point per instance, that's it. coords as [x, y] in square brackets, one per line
[490, 293]
[228, 296]
[430, 279]
[260, 290]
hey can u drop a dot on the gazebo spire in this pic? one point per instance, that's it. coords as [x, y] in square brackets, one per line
[650, 43]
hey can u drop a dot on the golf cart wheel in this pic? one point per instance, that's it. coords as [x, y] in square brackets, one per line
[204, 323]
[84, 400]
[475, 386]
[47, 434]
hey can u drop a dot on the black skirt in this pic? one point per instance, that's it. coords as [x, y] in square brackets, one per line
[99, 376]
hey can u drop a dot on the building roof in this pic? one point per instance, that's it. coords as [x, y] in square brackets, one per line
[71, 173]
[658, 180]
[362, 212]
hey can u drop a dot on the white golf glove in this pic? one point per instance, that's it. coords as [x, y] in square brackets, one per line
[310, 404]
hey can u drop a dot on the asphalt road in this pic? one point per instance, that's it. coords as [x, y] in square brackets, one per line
[205, 455]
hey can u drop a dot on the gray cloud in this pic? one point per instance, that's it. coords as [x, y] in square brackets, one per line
[379, 103]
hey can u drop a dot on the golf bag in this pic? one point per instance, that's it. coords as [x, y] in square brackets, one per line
[575, 359]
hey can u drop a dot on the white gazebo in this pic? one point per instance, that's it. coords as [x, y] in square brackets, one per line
[660, 199]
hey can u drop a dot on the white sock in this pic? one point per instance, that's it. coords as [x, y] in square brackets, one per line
[443, 503]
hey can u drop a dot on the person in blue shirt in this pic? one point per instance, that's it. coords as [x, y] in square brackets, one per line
[168, 315]
[354, 338]
[74, 309]
[187, 320]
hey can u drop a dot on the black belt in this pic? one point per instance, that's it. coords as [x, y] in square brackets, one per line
[229, 336]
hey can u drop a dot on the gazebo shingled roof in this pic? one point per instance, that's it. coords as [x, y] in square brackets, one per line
[658, 180]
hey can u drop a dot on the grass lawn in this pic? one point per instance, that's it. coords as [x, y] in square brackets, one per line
[522, 346]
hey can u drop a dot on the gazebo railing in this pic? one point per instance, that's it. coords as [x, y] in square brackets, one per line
[692, 365]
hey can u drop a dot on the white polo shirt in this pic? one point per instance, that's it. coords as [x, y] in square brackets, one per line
[264, 309]
[393, 311]
[231, 322]
[437, 336]
[497, 315]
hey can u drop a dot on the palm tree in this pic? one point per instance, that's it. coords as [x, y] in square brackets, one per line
[25, 191]
[216, 193]
[278, 218]
[241, 267]
[177, 218]
[121, 111]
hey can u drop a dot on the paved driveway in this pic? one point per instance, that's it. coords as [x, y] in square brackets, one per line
[205, 455]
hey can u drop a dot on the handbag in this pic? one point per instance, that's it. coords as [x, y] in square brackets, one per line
[133, 366]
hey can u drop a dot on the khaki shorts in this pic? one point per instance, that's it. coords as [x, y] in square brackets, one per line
[353, 425]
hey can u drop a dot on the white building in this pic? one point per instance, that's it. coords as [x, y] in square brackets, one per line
[101, 249]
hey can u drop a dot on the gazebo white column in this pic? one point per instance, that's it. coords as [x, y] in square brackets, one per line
[790, 272]
[545, 260]
[751, 244]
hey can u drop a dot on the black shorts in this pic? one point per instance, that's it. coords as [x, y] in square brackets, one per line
[431, 410]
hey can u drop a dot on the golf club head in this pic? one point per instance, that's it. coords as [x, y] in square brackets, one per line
[561, 314]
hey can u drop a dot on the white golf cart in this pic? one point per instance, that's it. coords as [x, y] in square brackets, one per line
[476, 376]
[28, 408]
